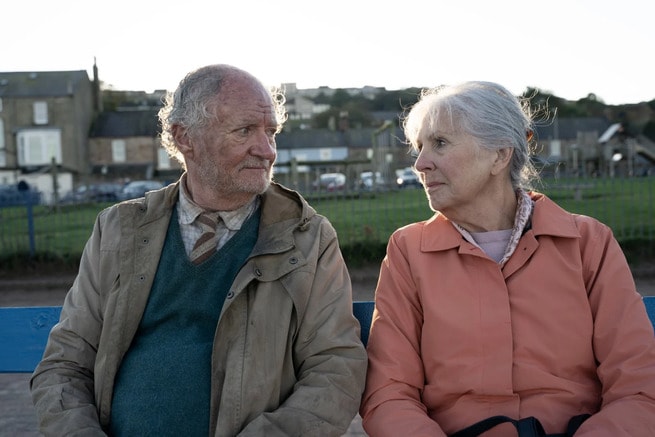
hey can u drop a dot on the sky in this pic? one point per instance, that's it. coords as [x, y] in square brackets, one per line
[570, 48]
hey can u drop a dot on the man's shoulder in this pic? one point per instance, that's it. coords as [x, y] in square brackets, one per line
[283, 201]
[154, 206]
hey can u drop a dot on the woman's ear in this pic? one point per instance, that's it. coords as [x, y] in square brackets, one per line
[503, 159]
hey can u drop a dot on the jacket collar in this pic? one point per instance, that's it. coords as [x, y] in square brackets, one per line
[548, 218]
[278, 203]
[284, 211]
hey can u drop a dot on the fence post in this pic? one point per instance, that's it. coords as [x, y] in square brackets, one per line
[28, 197]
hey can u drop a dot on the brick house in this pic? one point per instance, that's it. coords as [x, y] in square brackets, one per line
[44, 117]
[125, 145]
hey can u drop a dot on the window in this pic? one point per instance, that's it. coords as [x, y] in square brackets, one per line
[555, 148]
[118, 152]
[40, 113]
[163, 160]
[38, 147]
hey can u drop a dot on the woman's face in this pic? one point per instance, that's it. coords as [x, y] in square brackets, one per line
[456, 172]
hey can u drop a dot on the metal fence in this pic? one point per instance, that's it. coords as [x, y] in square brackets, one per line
[369, 216]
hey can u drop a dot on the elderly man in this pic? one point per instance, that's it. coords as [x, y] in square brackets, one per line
[219, 305]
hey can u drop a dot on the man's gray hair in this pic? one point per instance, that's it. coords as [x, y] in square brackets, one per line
[190, 105]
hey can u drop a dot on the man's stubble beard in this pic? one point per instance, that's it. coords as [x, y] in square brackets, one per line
[212, 176]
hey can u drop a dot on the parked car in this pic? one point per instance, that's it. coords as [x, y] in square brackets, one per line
[407, 178]
[18, 194]
[367, 183]
[135, 189]
[330, 182]
[103, 192]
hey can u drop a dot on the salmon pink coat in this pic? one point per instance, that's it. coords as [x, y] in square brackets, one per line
[557, 331]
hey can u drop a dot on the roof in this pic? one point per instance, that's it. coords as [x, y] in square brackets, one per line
[329, 138]
[41, 83]
[609, 133]
[568, 128]
[129, 123]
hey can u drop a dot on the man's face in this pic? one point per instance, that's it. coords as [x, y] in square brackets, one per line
[232, 161]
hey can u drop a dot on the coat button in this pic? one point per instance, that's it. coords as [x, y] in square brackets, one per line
[258, 272]
[293, 260]
[230, 295]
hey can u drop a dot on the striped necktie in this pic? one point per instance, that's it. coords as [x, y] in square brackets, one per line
[205, 246]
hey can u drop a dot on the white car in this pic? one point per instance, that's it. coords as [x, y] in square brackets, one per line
[407, 178]
[330, 182]
[367, 183]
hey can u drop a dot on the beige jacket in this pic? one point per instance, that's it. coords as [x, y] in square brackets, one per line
[287, 358]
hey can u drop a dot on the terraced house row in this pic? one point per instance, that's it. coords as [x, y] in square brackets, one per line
[55, 135]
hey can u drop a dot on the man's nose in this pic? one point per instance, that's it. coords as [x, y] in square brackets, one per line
[265, 147]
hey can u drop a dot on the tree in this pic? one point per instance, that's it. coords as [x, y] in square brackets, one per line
[396, 100]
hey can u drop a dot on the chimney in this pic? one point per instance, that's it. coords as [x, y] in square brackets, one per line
[97, 95]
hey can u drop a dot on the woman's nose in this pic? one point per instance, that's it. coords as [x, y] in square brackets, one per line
[422, 162]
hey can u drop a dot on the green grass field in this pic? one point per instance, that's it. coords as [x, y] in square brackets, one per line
[626, 205]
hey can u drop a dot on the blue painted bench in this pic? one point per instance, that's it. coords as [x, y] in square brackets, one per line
[24, 332]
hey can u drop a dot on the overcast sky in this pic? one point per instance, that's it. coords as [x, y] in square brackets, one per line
[568, 47]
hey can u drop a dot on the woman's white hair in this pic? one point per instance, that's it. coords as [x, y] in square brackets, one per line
[488, 112]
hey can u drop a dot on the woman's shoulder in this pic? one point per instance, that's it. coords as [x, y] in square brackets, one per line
[417, 227]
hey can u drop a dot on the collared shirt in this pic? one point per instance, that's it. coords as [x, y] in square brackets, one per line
[230, 223]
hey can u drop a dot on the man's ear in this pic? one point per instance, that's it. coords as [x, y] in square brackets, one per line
[182, 139]
[503, 159]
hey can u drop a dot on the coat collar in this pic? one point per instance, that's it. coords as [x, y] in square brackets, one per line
[548, 218]
[278, 204]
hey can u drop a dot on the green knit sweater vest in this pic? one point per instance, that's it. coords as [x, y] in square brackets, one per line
[163, 384]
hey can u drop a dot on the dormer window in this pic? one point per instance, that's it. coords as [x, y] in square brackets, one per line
[40, 113]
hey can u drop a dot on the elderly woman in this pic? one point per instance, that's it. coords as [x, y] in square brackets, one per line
[503, 310]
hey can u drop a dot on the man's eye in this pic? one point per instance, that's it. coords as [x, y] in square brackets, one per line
[244, 130]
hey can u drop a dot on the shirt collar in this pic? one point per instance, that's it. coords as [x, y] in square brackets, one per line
[188, 210]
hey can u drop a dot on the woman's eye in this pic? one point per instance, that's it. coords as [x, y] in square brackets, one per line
[414, 152]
